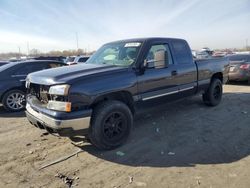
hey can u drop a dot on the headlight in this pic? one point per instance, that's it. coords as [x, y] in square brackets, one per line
[59, 90]
[59, 106]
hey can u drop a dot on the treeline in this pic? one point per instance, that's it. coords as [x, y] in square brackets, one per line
[37, 53]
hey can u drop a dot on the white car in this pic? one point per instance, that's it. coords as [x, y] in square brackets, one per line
[72, 60]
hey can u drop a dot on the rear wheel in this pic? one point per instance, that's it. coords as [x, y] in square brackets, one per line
[213, 95]
[14, 100]
[110, 125]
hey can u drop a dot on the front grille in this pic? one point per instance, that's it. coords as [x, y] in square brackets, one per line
[40, 91]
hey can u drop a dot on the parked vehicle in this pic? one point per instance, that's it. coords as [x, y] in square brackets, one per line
[100, 98]
[239, 67]
[54, 58]
[72, 60]
[12, 81]
[219, 54]
[203, 55]
[3, 63]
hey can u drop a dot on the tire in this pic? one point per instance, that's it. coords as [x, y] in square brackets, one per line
[213, 95]
[14, 100]
[111, 124]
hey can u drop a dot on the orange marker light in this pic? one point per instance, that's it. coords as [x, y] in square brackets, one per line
[68, 107]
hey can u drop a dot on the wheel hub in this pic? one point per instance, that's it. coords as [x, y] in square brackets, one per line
[15, 100]
[114, 125]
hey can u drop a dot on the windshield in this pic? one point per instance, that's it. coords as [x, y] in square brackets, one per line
[119, 54]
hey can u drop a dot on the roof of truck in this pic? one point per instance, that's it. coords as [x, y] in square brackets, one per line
[145, 39]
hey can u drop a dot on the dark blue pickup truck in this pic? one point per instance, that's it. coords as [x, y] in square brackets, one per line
[100, 98]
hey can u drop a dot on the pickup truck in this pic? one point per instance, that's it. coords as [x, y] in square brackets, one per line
[100, 98]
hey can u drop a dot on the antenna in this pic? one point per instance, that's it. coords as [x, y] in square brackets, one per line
[28, 48]
[77, 47]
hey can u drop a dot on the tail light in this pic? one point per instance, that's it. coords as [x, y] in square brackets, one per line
[245, 67]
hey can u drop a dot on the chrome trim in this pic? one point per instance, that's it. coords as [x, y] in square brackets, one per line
[169, 93]
[155, 96]
[17, 75]
[75, 124]
[185, 89]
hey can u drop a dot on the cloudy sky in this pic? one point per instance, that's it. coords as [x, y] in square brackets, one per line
[52, 24]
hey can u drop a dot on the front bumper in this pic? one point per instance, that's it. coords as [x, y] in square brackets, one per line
[64, 127]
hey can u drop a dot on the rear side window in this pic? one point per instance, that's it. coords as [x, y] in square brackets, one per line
[182, 52]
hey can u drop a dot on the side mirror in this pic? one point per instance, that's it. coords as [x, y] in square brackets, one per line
[160, 60]
[148, 64]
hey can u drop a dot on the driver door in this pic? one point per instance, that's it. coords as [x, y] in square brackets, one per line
[158, 81]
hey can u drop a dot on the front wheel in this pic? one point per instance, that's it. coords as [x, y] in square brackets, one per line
[14, 100]
[213, 95]
[110, 125]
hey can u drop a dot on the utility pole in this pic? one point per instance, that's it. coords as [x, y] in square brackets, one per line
[246, 44]
[28, 48]
[19, 52]
[77, 47]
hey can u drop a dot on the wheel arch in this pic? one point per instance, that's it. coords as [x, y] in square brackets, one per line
[13, 88]
[123, 96]
[217, 75]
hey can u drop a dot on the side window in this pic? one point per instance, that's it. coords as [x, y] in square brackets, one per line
[182, 52]
[153, 54]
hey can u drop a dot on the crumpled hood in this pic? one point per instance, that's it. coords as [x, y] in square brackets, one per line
[68, 74]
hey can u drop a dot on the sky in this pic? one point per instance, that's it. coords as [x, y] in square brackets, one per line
[55, 24]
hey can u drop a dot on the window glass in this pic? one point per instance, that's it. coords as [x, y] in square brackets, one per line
[70, 59]
[151, 56]
[83, 59]
[182, 52]
[54, 65]
[119, 54]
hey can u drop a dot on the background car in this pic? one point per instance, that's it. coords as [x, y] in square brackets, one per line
[72, 60]
[54, 58]
[203, 55]
[239, 67]
[12, 81]
[3, 63]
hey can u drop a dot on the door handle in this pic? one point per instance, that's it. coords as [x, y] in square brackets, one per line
[173, 73]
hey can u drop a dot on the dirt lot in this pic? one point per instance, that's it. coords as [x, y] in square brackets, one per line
[183, 144]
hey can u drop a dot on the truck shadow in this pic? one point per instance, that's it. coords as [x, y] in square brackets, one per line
[5, 114]
[185, 134]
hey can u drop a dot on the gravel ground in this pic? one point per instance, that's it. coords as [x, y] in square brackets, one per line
[182, 144]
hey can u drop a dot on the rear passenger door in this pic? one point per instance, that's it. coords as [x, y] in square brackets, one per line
[186, 76]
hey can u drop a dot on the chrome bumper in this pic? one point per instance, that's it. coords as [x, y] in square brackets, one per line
[55, 124]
